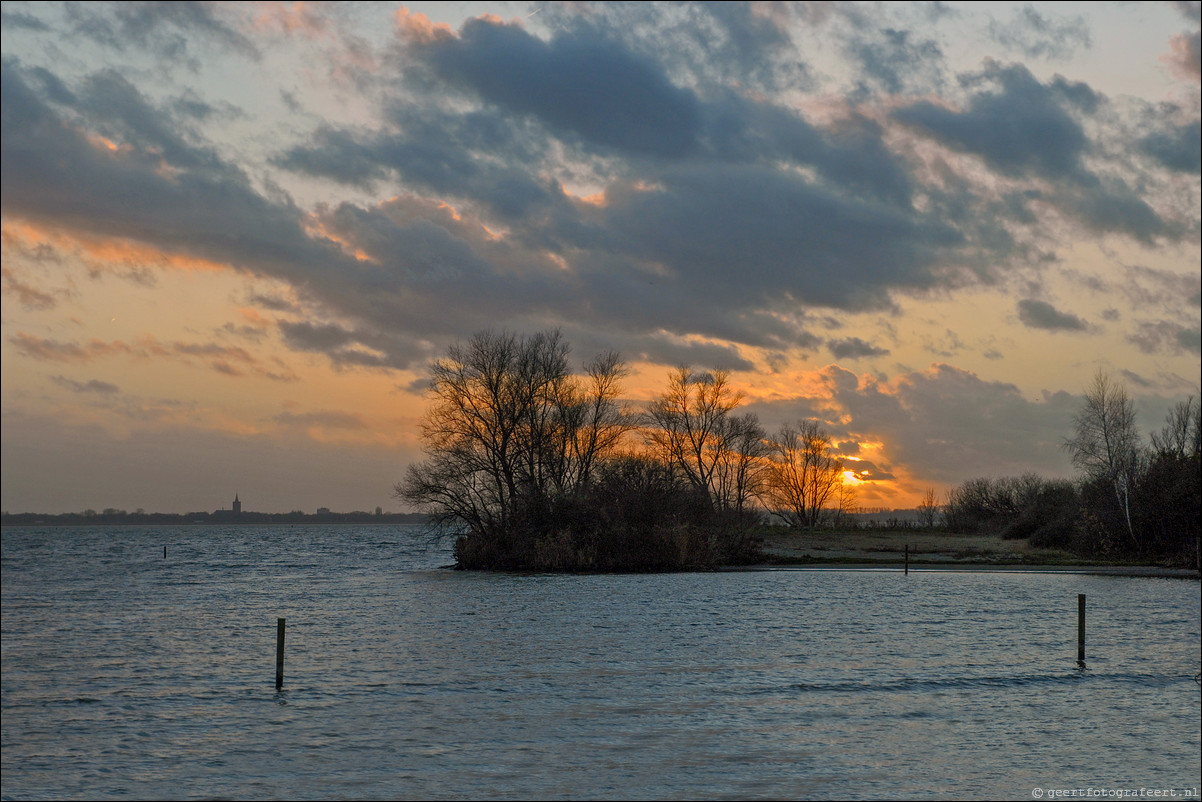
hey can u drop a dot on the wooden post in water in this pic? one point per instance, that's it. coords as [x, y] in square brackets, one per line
[907, 573]
[1081, 628]
[164, 552]
[279, 653]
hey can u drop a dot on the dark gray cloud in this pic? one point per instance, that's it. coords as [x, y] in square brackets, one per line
[1037, 36]
[170, 29]
[957, 425]
[350, 349]
[1037, 314]
[231, 361]
[896, 60]
[1178, 147]
[729, 43]
[48, 350]
[1114, 207]
[854, 348]
[744, 235]
[723, 213]
[1181, 292]
[90, 386]
[12, 20]
[1027, 130]
[1018, 125]
[868, 471]
[53, 172]
[326, 419]
[30, 296]
[1190, 9]
[1166, 336]
[581, 87]
[945, 424]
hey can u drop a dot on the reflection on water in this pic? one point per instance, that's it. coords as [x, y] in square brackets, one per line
[127, 674]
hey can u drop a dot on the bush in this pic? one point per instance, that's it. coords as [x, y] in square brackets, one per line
[991, 505]
[637, 514]
[1048, 518]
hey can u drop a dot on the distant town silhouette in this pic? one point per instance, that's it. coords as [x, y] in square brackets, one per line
[233, 515]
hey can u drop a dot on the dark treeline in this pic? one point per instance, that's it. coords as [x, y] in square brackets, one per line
[1130, 500]
[111, 516]
[535, 467]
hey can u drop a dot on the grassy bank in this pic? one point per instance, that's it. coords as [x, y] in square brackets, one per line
[781, 546]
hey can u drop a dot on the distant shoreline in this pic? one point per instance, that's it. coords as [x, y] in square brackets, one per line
[934, 550]
[220, 517]
[977, 567]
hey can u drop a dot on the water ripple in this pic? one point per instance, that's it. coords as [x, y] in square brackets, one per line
[153, 678]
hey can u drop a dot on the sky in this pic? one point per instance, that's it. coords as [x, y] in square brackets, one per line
[235, 234]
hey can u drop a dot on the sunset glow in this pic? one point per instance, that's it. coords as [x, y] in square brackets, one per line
[232, 242]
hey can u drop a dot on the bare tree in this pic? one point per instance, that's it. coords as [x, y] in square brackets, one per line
[805, 476]
[510, 426]
[846, 502]
[928, 510]
[1105, 443]
[689, 426]
[1182, 433]
[741, 466]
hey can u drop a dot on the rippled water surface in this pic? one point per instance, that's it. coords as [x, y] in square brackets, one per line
[131, 675]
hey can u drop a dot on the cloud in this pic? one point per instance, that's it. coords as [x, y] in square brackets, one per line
[177, 465]
[1190, 9]
[711, 212]
[1034, 134]
[1185, 56]
[347, 348]
[1018, 125]
[170, 30]
[1144, 286]
[14, 20]
[946, 423]
[1178, 147]
[90, 386]
[1166, 336]
[46, 350]
[29, 296]
[732, 44]
[897, 60]
[325, 419]
[58, 174]
[868, 471]
[943, 424]
[1037, 36]
[1042, 315]
[217, 357]
[854, 348]
[584, 88]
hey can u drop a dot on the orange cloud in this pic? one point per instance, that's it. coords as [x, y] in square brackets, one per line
[314, 227]
[292, 18]
[55, 351]
[106, 250]
[254, 317]
[217, 357]
[29, 296]
[418, 28]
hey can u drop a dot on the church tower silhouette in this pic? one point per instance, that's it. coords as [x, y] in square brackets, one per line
[237, 505]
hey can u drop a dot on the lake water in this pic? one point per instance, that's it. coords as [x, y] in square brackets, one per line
[130, 675]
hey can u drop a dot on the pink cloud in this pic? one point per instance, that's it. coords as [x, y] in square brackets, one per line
[1185, 56]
